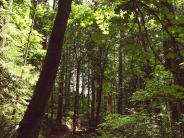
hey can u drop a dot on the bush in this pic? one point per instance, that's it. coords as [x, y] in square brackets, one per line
[136, 125]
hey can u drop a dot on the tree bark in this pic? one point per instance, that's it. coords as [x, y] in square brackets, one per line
[83, 93]
[68, 75]
[100, 87]
[93, 99]
[36, 107]
[52, 105]
[88, 96]
[76, 99]
[61, 95]
[173, 59]
[120, 83]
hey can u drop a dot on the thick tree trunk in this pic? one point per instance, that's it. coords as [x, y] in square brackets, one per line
[36, 108]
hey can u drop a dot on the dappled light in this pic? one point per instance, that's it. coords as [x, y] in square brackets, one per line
[92, 69]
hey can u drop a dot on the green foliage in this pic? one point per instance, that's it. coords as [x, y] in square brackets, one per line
[8, 129]
[138, 124]
[96, 31]
[15, 88]
[13, 100]
[159, 88]
[44, 19]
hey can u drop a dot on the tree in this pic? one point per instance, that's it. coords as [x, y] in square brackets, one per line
[120, 79]
[36, 108]
[121, 69]
[61, 92]
[173, 57]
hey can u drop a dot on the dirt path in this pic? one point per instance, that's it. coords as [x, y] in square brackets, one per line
[57, 136]
[63, 134]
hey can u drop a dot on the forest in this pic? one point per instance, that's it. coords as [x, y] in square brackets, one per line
[91, 68]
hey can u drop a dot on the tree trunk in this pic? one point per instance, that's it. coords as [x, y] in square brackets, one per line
[36, 108]
[61, 95]
[100, 87]
[67, 93]
[105, 104]
[171, 47]
[110, 103]
[93, 99]
[83, 94]
[60, 104]
[54, 4]
[88, 97]
[120, 83]
[172, 54]
[99, 97]
[68, 75]
[76, 99]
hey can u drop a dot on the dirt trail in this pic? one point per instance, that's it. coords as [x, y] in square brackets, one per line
[62, 134]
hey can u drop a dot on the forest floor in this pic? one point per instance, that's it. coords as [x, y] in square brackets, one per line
[80, 133]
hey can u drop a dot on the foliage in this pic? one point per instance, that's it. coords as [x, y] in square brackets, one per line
[149, 36]
[17, 79]
[138, 124]
[159, 87]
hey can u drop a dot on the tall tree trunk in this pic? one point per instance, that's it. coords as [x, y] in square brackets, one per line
[88, 97]
[120, 83]
[99, 97]
[110, 99]
[76, 99]
[114, 104]
[105, 104]
[68, 75]
[83, 94]
[100, 87]
[93, 99]
[67, 93]
[61, 95]
[36, 107]
[173, 58]
[60, 104]
[171, 47]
